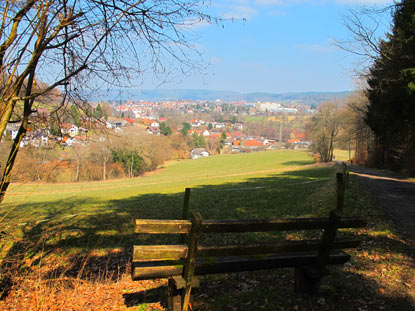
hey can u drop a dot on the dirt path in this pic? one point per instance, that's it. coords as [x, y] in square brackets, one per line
[395, 196]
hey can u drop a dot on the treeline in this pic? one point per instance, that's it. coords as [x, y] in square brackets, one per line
[391, 93]
[342, 125]
[105, 156]
[379, 121]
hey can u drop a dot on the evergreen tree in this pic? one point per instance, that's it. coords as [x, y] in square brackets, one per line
[185, 129]
[98, 113]
[198, 141]
[75, 115]
[165, 129]
[391, 92]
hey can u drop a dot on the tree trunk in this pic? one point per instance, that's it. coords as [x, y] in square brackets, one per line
[27, 110]
[5, 181]
[104, 171]
[77, 169]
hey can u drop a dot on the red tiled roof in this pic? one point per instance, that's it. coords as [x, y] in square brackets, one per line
[253, 143]
[129, 120]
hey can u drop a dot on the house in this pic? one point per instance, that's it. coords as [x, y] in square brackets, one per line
[215, 135]
[146, 121]
[238, 126]
[155, 124]
[129, 121]
[152, 130]
[220, 125]
[269, 141]
[69, 129]
[199, 153]
[253, 144]
[206, 133]
[237, 135]
[195, 123]
[67, 141]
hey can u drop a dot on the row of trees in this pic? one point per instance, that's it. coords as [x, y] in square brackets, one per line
[342, 125]
[105, 157]
[380, 120]
[391, 93]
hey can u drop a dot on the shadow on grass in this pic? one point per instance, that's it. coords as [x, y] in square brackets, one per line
[153, 295]
[95, 239]
[300, 162]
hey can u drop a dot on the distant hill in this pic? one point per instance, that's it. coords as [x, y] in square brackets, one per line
[212, 95]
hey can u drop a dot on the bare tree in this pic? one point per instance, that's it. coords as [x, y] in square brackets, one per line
[74, 46]
[324, 129]
[366, 26]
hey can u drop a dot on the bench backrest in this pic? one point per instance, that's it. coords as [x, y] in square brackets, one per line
[168, 260]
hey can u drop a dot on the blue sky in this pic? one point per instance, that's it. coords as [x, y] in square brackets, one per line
[282, 46]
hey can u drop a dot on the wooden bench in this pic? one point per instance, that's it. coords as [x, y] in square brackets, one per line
[183, 263]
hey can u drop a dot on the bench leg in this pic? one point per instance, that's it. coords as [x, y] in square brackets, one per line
[306, 282]
[175, 296]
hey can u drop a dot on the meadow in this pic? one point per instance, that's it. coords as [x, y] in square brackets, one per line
[74, 241]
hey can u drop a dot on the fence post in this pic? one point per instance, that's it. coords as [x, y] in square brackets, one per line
[189, 268]
[308, 278]
[340, 191]
[345, 175]
[185, 210]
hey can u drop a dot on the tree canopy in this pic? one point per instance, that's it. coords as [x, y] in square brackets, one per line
[391, 92]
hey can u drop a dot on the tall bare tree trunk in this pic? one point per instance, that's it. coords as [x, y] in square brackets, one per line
[78, 164]
[104, 170]
[5, 181]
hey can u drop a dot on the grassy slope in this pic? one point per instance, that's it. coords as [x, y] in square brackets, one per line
[80, 230]
[208, 171]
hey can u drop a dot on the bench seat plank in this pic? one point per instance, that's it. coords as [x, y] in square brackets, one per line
[176, 252]
[153, 270]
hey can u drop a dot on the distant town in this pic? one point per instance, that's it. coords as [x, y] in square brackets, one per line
[153, 115]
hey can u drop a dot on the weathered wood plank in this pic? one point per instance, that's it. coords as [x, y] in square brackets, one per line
[275, 248]
[176, 252]
[148, 272]
[236, 264]
[239, 264]
[162, 226]
[165, 226]
[277, 224]
[159, 252]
